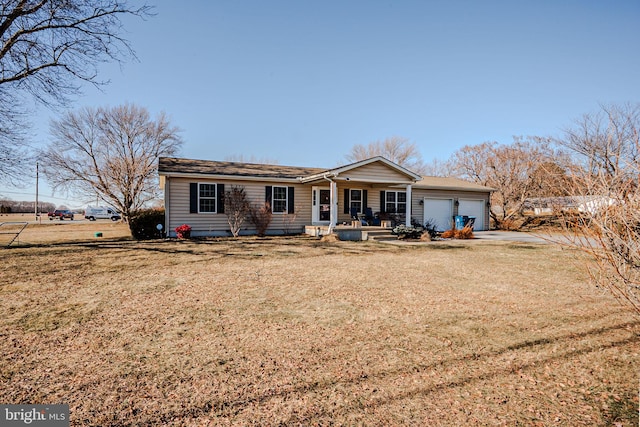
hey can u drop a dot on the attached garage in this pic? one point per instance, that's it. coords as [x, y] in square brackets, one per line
[439, 212]
[440, 198]
[473, 208]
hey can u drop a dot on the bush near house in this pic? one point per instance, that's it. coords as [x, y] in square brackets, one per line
[144, 224]
[236, 207]
[464, 233]
[404, 232]
[430, 228]
[260, 216]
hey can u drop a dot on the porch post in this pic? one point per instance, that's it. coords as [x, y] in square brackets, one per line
[407, 220]
[333, 199]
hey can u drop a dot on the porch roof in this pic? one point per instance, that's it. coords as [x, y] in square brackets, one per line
[335, 172]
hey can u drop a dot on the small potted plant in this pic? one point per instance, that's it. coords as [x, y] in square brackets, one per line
[183, 231]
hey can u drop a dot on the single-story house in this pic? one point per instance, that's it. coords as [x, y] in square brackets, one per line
[304, 199]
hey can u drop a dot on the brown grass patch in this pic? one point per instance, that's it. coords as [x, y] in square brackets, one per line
[56, 231]
[328, 238]
[294, 331]
[464, 233]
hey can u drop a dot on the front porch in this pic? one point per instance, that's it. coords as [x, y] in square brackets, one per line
[351, 232]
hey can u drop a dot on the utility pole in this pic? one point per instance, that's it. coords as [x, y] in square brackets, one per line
[37, 173]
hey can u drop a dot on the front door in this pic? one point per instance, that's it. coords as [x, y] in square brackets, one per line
[321, 205]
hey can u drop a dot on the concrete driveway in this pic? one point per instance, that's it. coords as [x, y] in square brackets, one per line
[495, 235]
[513, 236]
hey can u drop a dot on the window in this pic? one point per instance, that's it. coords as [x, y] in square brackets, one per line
[279, 202]
[396, 202]
[355, 200]
[280, 198]
[207, 198]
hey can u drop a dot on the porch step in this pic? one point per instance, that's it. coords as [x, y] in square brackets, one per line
[381, 235]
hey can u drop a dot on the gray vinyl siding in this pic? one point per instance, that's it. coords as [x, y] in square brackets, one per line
[216, 224]
[376, 172]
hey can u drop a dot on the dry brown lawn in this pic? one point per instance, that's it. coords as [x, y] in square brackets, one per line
[292, 331]
[56, 231]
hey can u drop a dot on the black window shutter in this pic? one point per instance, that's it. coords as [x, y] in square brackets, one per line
[291, 207]
[364, 201]
[383, 201]
[346, 201]
[267, 195]
[220, 194]
[193, 197]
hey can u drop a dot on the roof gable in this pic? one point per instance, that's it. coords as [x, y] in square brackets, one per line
[359, 170]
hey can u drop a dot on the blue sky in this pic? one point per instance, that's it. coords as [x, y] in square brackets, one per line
[301, 82]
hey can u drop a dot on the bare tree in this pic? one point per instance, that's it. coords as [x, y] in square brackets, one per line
[397, 149]
[437, 167]
[11, 206]
[508, 169]
[14, 156]
[288, 219]
[606, 145]
[111, 153]
[236, 207]
[47, 49]
[604, 142]
[552, 178]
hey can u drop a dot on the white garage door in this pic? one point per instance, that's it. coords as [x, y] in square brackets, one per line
[473, 208]
[439, 212]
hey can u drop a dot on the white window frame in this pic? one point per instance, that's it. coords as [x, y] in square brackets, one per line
[395, 202]
[273, 199]
[214, 198]
[361, 201]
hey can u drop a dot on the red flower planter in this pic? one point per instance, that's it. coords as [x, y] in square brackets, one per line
[183, 231]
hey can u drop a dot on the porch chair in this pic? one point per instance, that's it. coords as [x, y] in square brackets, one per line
[356, 217]
[370, 218]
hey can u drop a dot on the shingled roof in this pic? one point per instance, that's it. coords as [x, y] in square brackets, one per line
[184, 167]
[447, 183]
[171, 165]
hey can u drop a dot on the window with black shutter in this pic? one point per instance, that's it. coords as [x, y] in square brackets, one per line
[280, 198]
[205, 197]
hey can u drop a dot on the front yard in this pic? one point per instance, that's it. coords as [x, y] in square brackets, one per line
[292, 331]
